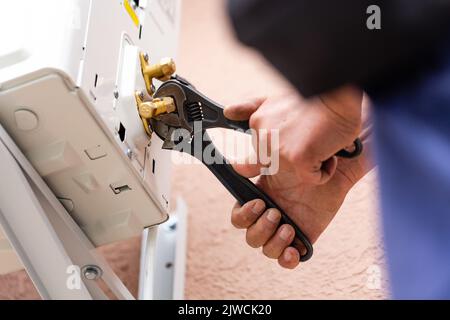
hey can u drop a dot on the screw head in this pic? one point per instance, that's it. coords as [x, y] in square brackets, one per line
[129, 153]
[116, 94]
[92, 272]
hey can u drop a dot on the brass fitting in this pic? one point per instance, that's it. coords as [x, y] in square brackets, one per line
[161, 71]
[150, 109]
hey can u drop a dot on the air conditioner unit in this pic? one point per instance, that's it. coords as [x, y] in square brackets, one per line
[69, 70]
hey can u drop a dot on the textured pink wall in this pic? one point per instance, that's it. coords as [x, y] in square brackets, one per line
[220, 265]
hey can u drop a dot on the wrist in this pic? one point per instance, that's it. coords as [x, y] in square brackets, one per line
[345, 108]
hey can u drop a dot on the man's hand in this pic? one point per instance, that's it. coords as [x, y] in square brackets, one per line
[311, 206]
[310, 132]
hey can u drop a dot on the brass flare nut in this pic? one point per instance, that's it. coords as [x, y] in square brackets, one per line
[151, 109]
[161, 71]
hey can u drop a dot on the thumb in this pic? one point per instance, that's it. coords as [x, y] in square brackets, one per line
[243, 111]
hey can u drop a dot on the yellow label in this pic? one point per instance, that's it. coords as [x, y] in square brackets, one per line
[131, 12]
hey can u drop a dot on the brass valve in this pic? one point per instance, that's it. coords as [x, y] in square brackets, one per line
[161, 71]
[150, 109]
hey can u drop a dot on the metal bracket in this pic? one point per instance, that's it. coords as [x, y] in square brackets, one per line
[163, 256]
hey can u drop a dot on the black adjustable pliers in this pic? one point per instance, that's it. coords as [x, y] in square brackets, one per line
[190, 107]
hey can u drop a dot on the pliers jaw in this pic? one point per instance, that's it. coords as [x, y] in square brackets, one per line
[194, 108]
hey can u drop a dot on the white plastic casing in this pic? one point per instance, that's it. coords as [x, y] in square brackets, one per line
[68, 73]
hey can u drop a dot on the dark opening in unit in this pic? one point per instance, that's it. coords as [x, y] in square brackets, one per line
[122, 132]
